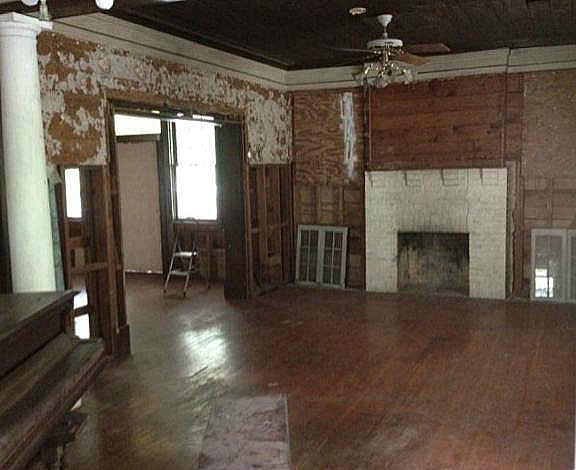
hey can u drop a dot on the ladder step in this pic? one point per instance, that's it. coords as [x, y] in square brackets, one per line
[178, 272]
[187, 268]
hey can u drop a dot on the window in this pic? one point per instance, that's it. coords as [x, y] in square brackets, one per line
[572, 265]
[135, 125]
[554, 265]
[73, 198]
[321, 255]
[194, 170]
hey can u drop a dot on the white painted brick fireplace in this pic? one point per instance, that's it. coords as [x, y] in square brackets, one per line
[469, 201]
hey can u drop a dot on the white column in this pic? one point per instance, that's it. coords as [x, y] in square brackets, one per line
[29, 230]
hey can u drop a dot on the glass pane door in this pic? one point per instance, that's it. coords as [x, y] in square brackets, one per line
[548, 265]
[308, 256]
[572, 265]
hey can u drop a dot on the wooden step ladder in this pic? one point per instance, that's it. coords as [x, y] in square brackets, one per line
[184, 264]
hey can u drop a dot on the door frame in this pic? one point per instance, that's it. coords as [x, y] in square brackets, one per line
[165, 173]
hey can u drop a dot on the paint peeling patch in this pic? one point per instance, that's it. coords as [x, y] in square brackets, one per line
[78, 76]
[348, 127]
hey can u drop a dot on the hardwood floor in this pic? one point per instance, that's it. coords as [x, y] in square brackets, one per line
[373, 381]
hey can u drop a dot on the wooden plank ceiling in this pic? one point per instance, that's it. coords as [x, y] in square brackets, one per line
[297, 35]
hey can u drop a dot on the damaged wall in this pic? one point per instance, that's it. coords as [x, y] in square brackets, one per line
[534, 129]
[328, 167]
[77, 78]
[549, 158]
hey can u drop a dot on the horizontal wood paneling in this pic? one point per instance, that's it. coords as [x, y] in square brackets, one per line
[439, 124]
[427, 105]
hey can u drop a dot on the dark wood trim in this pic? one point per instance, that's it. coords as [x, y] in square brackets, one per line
[118, 315]
[165, 193]
[288, 241]
[124, 348]
[367, 154]
[232, 171]
[64, 225]
[136, 139]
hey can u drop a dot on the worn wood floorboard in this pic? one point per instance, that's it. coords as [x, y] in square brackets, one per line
[373, 381]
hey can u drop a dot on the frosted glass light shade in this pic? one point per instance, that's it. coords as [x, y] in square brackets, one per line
[30, 3]
[105, 4]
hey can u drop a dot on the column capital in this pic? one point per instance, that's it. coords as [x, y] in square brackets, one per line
[16, 24]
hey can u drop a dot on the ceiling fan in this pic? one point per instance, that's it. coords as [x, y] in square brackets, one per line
[386, 60]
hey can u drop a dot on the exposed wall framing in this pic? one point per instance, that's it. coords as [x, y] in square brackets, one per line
[102, 269]
[329, 169]
[271, 224]
[549, 155]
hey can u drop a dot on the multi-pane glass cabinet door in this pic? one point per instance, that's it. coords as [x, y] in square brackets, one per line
[571, 239]
[554, 265]
[321, 255]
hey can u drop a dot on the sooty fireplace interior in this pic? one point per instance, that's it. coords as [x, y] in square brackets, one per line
[433, 262]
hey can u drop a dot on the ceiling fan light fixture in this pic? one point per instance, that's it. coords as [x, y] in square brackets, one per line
[105, 4]
[385, 72]
[30, 3]
[355, 11]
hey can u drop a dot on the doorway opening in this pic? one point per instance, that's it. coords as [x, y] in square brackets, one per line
[197, 163]
[170, 174]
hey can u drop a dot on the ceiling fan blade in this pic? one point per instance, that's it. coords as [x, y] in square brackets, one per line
[437, 48]
[410, 59]
[357, 61]
[348, 49]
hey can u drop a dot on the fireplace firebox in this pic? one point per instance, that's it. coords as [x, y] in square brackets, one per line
[433, 263]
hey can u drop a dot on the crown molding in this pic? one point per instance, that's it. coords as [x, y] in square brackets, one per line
[504, 60]
[535, 59]
[115, 32]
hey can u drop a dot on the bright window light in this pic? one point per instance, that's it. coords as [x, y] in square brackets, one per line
[135, 125]
[73, 199]
[196, 191]
[544, 287]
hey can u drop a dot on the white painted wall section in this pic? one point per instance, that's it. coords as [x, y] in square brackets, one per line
[140, 206]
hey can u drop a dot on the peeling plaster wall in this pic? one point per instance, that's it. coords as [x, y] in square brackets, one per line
[348, 126]
[77, 78]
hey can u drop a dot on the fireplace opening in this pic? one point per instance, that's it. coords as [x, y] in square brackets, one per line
[433, 263]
